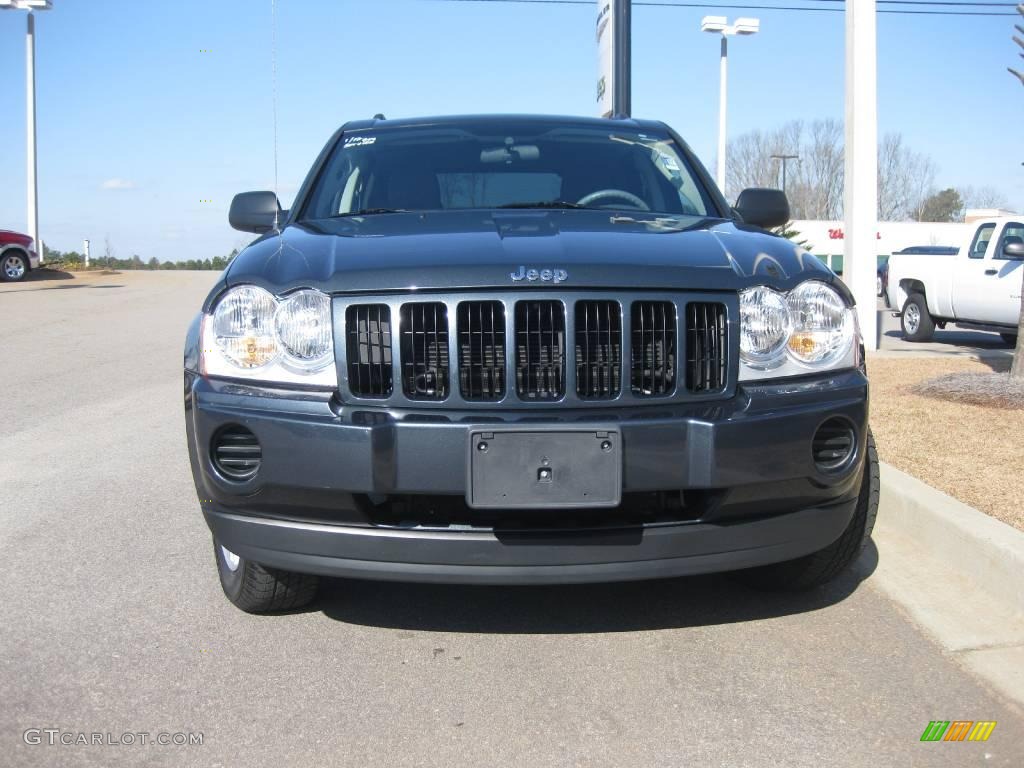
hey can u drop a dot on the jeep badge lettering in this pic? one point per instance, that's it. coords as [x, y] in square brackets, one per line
[554, 275]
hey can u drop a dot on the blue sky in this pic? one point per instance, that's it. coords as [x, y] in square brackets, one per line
[137, 125]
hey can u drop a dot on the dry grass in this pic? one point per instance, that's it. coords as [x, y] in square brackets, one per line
[993, 389]
[972, 452]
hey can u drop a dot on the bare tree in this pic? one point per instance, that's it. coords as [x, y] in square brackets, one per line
[905, 179]
[982, 197]
[815, 179]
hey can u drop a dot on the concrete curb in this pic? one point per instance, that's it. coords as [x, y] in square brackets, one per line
[987, 551]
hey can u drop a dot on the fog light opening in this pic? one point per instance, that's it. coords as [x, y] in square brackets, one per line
[236, 453]
[834, 445]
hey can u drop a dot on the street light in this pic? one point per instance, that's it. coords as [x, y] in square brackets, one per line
[30, 108]
[784, 158]
[720, 25]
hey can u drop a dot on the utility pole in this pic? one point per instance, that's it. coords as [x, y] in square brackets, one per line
[860, 197]
[784, 159]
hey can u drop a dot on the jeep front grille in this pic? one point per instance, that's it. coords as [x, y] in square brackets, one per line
[653, 360]
[481, 332]
[369, 350]
[424, 332]
[598, 349]
[540, 350]
[486, 349]
[705, 358]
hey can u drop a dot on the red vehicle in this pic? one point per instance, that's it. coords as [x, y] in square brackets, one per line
[18, 255]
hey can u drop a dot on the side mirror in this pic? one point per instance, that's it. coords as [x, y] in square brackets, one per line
[763, 207]
[255, 212]
[1014, 251]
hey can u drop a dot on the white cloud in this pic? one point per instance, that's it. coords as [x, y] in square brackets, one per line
[117, 184]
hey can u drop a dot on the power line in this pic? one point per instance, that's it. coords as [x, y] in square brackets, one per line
[946, 11]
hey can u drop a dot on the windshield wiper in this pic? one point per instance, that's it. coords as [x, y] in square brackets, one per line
[544, 204]
[369, 212]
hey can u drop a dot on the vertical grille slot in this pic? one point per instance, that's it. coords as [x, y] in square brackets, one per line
[481, 334]
[540, 350]
[368, 331]
[598, 349]
[424, 346]
[706, 340]
[653, 354]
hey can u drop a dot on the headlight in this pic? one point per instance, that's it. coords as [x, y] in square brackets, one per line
[243, 327]
[764, 327]
[822, 323]
[303, 328]
[808, 329]
[253, 335]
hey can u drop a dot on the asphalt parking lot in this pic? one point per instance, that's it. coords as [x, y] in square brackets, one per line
[948, 342]
[112, 619]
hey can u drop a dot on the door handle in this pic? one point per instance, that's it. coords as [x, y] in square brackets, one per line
[991, 271]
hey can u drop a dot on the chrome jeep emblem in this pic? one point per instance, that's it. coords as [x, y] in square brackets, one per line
[554, 275]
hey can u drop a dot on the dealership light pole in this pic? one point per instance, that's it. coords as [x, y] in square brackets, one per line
[719, 25]
[30, 104]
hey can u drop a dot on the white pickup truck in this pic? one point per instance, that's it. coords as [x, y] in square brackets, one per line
[979, 288]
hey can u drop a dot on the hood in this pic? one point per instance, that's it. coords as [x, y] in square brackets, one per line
[482, 249]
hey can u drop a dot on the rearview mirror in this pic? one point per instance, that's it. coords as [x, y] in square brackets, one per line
[1014, 251]
[257, 212]
[763, 207]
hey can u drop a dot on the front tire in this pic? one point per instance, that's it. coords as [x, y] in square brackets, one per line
[917, 324]
[1010, 339]
[824, 565]
[256, 589]
[13, 267]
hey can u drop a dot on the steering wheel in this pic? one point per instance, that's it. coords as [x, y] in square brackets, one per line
[604, 194]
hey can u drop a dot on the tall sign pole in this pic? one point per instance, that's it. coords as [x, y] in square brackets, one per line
[860, 196]
[30, 109]
[614, 78]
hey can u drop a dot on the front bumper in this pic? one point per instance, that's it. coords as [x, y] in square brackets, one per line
[758, 496]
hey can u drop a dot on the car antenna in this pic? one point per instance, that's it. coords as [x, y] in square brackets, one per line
[379, 116]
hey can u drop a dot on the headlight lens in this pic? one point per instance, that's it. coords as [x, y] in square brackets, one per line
[765, 327]
[303, 326]
[788, 334]
[822, 324]
[243, 327]
[253, 335]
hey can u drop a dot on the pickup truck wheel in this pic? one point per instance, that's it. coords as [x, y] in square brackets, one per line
[13, 267]
[1010, 339]
[917, 323]
[823, 566]
[256, 589]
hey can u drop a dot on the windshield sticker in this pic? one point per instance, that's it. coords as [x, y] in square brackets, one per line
[359, 141]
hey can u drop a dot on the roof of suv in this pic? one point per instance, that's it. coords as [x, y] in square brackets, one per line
[355, 125]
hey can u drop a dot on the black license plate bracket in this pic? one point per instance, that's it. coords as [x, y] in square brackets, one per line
[544, 468]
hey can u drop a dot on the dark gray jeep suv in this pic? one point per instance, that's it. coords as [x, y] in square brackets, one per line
[524, 350]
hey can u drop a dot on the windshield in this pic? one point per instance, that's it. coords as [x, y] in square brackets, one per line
[530, 165]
